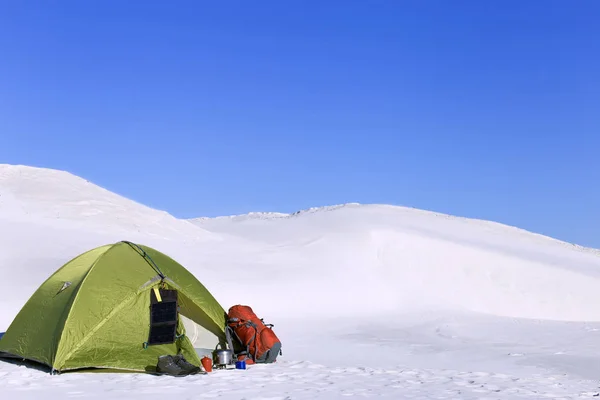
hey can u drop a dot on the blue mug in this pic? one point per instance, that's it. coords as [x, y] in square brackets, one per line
[240, 365]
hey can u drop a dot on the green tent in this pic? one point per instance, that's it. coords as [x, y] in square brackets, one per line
[118, 306]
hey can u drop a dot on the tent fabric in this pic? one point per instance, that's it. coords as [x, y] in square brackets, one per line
[95, 312]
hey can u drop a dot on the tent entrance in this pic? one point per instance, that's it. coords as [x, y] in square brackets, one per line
[163, 316]
[203, 341]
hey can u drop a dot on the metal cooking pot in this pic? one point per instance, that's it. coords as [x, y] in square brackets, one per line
[223, 357]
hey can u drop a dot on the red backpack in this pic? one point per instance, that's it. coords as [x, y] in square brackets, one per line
[250, 338]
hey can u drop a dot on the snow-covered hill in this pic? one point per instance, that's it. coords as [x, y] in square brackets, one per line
[370, 300]
[51, 196]
[407, 259]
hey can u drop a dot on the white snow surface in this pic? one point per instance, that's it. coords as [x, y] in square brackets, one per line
[370, 301]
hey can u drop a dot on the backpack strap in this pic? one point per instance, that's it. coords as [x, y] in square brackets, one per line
[251, 324]
[253, 339]
[230, 333]
[228, 337]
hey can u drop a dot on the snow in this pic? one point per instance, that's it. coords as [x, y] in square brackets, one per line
[369, 300]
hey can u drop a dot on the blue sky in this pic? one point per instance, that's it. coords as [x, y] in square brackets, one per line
[480, 109]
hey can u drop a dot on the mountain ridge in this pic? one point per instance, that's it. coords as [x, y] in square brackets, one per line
[271, 216]
[26, 172]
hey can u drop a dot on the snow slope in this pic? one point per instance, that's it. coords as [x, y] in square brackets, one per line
[369, 300]
[46, 196]
[404, 258]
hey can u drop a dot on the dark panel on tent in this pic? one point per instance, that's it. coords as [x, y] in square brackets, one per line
[163, 317]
